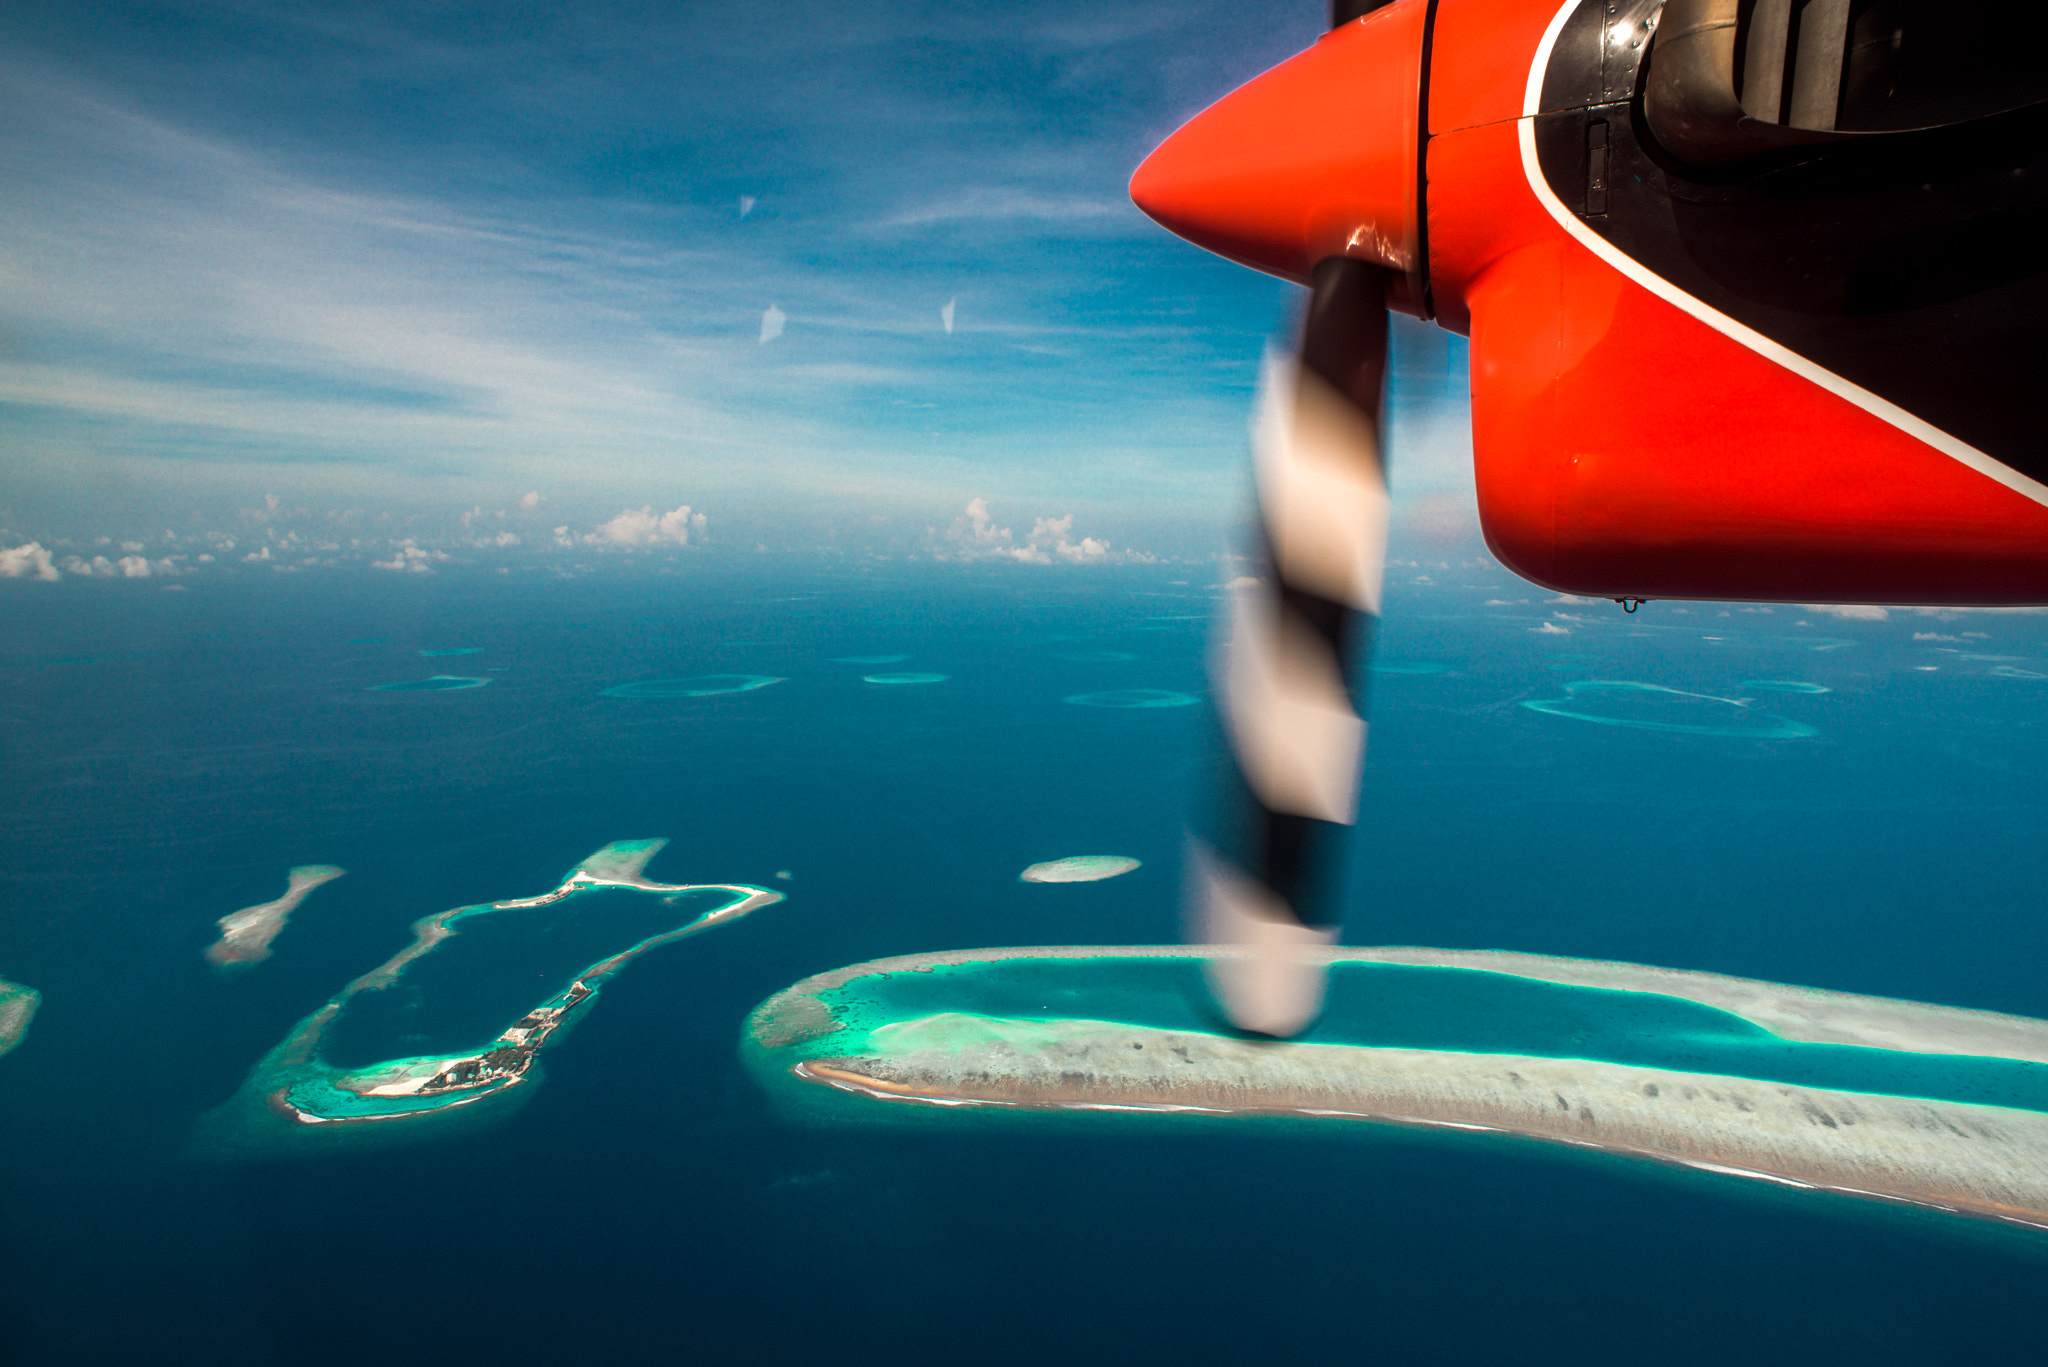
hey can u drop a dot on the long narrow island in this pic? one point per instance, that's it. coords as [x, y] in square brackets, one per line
[338, 1073]
[1935, 1106]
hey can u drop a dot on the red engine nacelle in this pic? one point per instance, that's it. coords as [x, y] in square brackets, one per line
[1709, 359]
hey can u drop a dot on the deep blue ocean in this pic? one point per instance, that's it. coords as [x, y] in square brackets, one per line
[168, 755]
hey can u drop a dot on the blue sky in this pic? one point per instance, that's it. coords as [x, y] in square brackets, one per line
[377, 267]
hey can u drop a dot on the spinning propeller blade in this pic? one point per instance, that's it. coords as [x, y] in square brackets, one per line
[1289, 669]
[1309, 172]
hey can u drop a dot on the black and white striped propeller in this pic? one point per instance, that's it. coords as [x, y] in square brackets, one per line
[1289, 665]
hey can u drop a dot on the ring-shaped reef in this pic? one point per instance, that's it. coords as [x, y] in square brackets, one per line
[1743, 720]
[904, 678]
[702, 686]
[439, 683]
[1133, 698]
[1935, 1106]
[18, 1005]
[2014, 672]
[1080, 868]
[1784, 686]
[447, 1030]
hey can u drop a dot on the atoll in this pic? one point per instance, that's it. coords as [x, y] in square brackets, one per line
[297, 1100]
[1742, 720]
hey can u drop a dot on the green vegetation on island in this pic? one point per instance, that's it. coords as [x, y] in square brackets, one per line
[340, 1073]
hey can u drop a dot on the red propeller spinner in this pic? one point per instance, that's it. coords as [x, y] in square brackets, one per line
[1317, 158]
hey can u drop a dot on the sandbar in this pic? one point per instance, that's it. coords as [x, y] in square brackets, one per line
[18, 1005]
[296, 1101]
[245, 935]
[1079, 868]
[1939, 1107]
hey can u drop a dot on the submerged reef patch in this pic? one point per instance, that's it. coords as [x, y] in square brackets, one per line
[1785, 686]
[18, 1005]
[1133, 698]
[904, 678]
[454, 650]
[337, 1079]
[1079, 868]
[439, 683]
[245, 935]
[1653, 707]
[1940, 1107]
[702, 686]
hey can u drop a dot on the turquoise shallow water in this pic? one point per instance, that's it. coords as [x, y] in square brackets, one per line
[191, 747]
[499, 964]
[1457, 1009]
[440, 683]
[702, 686]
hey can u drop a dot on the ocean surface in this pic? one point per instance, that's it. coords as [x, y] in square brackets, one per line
[1849, 803]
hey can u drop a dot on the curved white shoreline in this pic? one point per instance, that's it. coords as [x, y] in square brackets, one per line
[1983, 1160]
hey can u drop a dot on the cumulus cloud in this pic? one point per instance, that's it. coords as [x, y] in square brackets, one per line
[1933, 636]
[410, 559]
[1551, 629]
[1852, 612]
[772, 320]
[637, 527]
[747, 203]
[27, 561]
[974, 535]
[946, 314]
[530, 501]
[132, 567]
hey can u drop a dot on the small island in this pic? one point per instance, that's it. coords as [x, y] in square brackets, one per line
[1079, 868]
[1938, 1107]
[245, 935]
[17, 1008]
[296, 1099]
